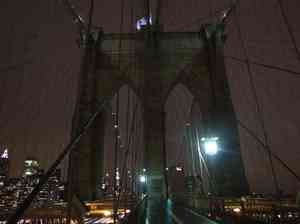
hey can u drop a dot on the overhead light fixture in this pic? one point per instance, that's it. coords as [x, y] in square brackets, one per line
[143, 179]
[211, 146]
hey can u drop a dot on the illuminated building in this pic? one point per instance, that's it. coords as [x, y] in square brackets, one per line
[15, 190]
[4, 163]
[4, 167]
[31, 167]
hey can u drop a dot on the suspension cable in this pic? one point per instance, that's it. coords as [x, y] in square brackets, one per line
[258, 109]
[181, 151]
[115, 201]
[135, 146]
[27, 202]
[116, 132]
[127, 150]
[291, 72]
[266, 147]
[289, 29]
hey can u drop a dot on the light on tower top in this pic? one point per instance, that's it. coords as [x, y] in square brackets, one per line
[143, 22]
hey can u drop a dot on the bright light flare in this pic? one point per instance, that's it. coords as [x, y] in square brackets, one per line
[107, 213]
[143, 179]
[237, 210]
[178, 169]
[210, 145]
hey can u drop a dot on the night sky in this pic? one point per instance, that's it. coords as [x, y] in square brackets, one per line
[40, 62]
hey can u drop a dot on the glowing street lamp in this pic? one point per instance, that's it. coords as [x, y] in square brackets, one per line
[211, 146]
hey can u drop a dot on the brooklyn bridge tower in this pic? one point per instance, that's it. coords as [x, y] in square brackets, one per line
[151, 62]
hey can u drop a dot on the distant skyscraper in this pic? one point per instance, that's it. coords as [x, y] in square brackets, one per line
[4, 165]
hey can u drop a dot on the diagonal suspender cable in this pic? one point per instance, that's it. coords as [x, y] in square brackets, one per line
[273, 67]
[27, 202]
[266, 147]
[289, 29]
[258, 109]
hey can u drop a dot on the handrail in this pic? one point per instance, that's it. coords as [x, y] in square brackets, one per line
[27, 202]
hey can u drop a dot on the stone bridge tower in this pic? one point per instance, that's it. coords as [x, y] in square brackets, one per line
[152, 63]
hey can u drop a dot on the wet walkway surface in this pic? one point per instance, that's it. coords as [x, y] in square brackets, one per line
[167, 212]
[181, 214]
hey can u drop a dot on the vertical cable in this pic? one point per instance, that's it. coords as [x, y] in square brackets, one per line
[116, 132]
[165, 154]
[115, 205]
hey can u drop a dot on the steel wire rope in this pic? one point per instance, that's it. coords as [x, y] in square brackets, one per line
[126, 153]
[256, 63]
[187, 140]
[189, 127]
[289, 29]
[292, 72]
[135, 153]
[132, 165]
[116, 141]
[129, 146]
[273, 67]
[128, 106]
[177, 124]
[187, 123]
[203, 160]
[192, 149]
[128, 89]
[194, 138]
[74, 141]
[127, 132]
[190, 141]
[132, 137]
[138, 142]
[134, 63]
[266, 147]
[193, 127]
[254, 91]
[134, 150]
[134, 145]
[115, 202]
